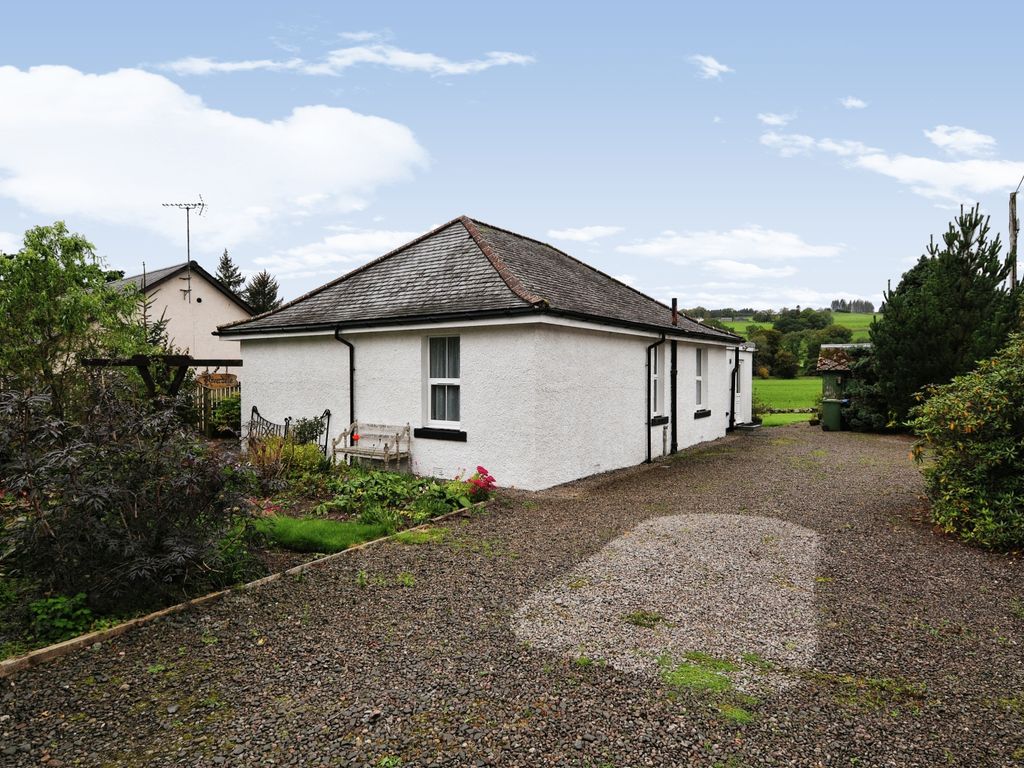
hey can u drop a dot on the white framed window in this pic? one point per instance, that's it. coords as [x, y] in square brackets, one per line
[444, 380]
[656, 382]
[699, 376]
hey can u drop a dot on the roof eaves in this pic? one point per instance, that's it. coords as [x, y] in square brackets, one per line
[499, 265]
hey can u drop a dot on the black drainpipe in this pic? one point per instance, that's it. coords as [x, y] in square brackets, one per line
[351, 379]
[674, 446]
[647, 416]
[732, 388]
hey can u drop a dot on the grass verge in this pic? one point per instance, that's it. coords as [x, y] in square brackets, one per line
[782, 419]
[316, 535]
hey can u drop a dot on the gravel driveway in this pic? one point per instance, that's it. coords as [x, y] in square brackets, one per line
[907, 648]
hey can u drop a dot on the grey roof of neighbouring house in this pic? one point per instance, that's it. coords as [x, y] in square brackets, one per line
[466, 269]
[150, 280]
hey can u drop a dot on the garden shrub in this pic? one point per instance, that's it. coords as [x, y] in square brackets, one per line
[61, 617]
[972, 429]
[306, 430]
[125, 505]
[227, 414]
[276, 460]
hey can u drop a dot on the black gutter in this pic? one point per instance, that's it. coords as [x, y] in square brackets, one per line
[724, 336]
[647, 416]
[674, 446]
[732, 388]
[351, 379]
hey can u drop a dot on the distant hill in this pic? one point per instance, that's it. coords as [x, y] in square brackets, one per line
[858, 322]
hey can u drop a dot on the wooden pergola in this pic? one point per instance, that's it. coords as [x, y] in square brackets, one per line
[142, 364]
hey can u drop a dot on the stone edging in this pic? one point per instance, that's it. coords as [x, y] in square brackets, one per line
[42, 655]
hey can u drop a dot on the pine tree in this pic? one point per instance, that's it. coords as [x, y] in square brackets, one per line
[229, 274]
[261, 292]
[950, 310]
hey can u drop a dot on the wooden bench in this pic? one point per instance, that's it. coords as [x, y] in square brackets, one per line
[379, 442]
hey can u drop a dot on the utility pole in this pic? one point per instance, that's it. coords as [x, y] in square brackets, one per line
[189, 207]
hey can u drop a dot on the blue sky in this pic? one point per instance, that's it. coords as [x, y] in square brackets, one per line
[731, 154]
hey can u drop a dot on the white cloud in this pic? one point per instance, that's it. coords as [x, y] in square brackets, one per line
[583, 234]
[360, 37]
[115, 146]
[334, 254]
[741, 270]
[955, 140]
[200, 65]
[951, 180]
[771, 118]
[338, 60]
[852, 102]
[627, 279]
[10, 242]
[709, 68]
[716, 119]
[735, 245]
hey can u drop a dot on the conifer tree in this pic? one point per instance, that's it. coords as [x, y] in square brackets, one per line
[950, 310]
[261, 292]
[229, 274]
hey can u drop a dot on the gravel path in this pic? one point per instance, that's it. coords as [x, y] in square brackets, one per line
[733, 586]
[918, 656]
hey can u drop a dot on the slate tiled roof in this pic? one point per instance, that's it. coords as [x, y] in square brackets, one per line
[153, 279]
[467, 269]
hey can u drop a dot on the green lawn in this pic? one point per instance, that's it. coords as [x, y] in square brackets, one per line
[858, 322]
[788, 393]
[315, 534]
[781, 419]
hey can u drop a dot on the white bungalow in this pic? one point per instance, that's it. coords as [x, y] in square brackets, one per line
[498, 350]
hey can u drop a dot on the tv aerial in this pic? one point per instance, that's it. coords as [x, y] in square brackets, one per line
[188, 208]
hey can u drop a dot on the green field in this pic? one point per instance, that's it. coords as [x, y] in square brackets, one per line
[858, 322]
[800, 392]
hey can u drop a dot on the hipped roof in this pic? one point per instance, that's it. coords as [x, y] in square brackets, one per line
[467, 269]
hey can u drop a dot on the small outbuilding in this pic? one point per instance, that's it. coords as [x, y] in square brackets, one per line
[835, 367]
[497, 350]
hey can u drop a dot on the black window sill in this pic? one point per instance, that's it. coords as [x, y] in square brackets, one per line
[657, 421]
[701, 414]
[433, 433]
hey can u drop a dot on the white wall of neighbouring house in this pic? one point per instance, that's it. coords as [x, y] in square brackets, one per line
[540, 404]
[191, 323]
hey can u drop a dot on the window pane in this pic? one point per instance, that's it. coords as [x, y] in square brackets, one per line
[739, 375]
[654, 396]
[452, 403]
[437, 403]
[700, 369]
[437, 358]
[698, 391]
[654, 361]
[453, 357]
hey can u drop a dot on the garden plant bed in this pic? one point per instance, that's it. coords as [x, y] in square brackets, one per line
[406, 653]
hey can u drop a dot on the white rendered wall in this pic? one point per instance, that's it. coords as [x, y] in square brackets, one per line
[717, 372]
[191, 323]
[744, 400]
[590, 404]
[297, 377]
[540, 404]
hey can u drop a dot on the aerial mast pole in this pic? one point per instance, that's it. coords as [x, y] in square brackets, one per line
[189, 207]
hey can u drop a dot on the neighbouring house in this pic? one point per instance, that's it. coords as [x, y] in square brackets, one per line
[194, 303]
[499, 350]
